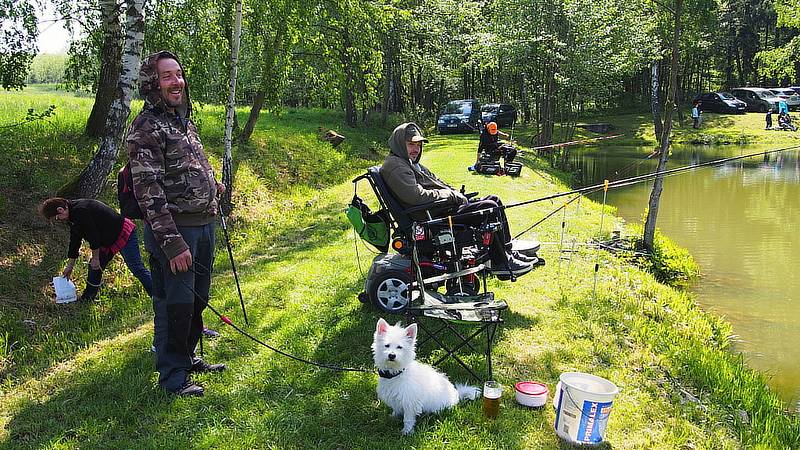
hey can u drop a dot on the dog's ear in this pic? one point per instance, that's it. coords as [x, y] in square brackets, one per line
[411, 331]
[381, 328]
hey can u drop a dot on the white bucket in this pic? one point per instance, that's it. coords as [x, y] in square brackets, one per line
[583, 404]
[65, 290]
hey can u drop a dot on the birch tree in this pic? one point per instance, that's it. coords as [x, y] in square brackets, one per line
[93, 178]
[670, 106]
[109, 67]
[227, 162]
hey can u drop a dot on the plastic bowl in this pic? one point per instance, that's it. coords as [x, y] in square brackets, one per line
[531, 393]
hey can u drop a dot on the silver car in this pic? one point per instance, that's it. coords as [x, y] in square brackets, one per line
[789, 96]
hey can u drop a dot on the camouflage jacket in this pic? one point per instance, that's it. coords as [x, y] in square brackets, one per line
[172, 178]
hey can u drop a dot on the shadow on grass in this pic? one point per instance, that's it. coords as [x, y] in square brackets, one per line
[111, 401]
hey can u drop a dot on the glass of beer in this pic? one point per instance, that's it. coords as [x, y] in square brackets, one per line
[492, 391]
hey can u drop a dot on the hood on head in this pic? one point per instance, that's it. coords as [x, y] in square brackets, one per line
[397, 141]
[149, 89]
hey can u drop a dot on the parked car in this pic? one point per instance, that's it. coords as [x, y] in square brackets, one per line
[503, 114]
[789, 96]
[795, 88]
[757, 99]
[459, 116]
[721, 102]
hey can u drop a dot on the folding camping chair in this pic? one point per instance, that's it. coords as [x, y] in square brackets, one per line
[438, 316]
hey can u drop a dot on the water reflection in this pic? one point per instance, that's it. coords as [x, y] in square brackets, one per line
[741, 221]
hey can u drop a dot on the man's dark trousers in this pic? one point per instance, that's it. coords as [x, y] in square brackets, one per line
[502, 240]
[178, 311]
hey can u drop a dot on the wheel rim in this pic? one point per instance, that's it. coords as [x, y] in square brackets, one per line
[392, 294]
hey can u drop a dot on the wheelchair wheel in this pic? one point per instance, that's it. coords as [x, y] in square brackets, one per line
[466, 288]
[390, 292]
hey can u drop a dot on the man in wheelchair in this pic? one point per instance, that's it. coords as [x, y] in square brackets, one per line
[414, 185]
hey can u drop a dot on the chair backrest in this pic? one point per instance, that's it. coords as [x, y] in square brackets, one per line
[401, 220]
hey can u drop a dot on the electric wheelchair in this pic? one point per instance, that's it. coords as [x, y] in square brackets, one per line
[428, 254]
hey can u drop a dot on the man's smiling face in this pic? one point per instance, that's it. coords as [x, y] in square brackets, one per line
[170, 81]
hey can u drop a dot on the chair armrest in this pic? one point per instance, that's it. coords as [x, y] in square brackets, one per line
[428, 206]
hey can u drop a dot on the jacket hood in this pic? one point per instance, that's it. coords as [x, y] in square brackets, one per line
[397, 141]
[150, 91]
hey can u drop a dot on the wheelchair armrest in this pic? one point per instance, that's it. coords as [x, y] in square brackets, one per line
[471, 195]
[427, 206]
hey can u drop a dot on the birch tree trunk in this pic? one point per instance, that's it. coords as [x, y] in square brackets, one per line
[227, 161]
[658, 184]
[109, 68]
[93, 178]
[655, 104]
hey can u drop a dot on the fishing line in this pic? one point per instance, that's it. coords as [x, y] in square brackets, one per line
[612, 184]
[600, 233]
[229, 322]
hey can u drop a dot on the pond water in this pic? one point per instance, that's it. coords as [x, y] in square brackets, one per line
[741, 222]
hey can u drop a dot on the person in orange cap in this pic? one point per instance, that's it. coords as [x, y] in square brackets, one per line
[490, 143]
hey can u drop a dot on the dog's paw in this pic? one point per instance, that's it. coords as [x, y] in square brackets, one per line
[407, 430]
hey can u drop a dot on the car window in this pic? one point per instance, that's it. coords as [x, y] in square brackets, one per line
[458, 108]
[725, 95]
[489, 108]
[766, 95]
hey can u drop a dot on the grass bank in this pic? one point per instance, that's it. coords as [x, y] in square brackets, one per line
[82, 376]
[716, 129]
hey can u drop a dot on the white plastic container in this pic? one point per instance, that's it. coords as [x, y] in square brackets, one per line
[531, 394]
[583, 405]
[65, 290]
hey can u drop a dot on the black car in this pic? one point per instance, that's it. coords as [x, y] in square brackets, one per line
[503, 114]
[721, 102]
[459, 116]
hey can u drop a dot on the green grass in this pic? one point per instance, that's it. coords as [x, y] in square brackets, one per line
[82, 376]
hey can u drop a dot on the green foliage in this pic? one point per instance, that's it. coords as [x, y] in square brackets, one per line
[17, 41]
[779, 63]
[669, 262]
[47, 69]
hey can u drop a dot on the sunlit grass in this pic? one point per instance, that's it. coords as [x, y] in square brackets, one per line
[82, 376]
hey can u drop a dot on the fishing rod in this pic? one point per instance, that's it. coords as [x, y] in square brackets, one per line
[233, 265]
[609, 184]
[579, 142]
[229, 322]
[637, 179]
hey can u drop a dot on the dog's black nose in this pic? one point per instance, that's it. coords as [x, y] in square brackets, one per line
[391, 356]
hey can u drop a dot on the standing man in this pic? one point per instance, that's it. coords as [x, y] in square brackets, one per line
[177, 193]
[696, 114]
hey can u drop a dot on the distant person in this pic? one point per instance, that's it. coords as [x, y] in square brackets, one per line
[769, 119]
[107, 233]
[783, 107]
[785, 122]
[696, 114]
[490, 144]
[177, 193]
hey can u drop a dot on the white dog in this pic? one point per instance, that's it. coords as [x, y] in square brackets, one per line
[408, 387]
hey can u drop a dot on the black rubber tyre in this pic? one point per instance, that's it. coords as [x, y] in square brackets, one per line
[467, 288]
[389, 292]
